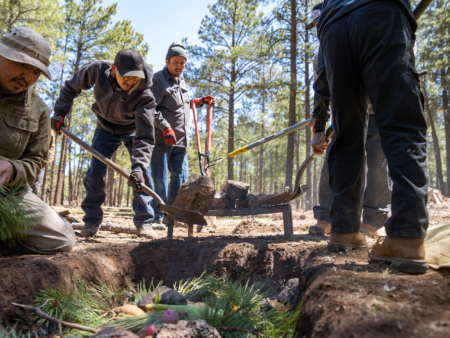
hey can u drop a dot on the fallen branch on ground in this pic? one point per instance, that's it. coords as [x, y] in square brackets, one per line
[42, 314]
[115, 228]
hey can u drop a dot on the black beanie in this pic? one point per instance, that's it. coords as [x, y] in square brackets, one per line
[176, 49]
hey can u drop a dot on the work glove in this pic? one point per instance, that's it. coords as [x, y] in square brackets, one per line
[169, 137]
[56, 123]
[319, 143]
[135, 180]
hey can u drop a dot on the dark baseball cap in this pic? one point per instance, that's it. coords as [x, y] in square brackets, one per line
[130, 63]
[317, 10]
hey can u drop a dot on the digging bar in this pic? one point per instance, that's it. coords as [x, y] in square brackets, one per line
[181, 215]
[299, 190]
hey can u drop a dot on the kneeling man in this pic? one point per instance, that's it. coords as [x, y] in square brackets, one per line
[25, 136]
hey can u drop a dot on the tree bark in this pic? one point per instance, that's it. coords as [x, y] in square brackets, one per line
[292, 94]
[52, 178]
[437, 150]
[231, 124]
[445, 108]
[308, 194]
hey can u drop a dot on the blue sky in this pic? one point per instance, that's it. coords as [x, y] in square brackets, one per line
[162, 22]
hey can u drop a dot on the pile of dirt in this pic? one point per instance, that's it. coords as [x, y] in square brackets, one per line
[252, 227]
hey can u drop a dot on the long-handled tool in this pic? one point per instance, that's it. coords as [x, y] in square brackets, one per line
[298, 190]
[246, 148]
[186, 216]
[209, 99]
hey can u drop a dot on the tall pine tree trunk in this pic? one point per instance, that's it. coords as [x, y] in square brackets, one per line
[292, 94]
[53, 171]
[231, 123]
[308, 194]
[445, 107]
[437, 150]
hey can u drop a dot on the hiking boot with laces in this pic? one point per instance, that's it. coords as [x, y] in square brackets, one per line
[344, 242]
[369, 230]
[89, 230]
[146, 231]
[406, 254]
[320, 229]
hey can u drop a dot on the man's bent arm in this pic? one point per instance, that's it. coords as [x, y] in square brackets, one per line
[33, 159]
[82, 80]
[144, 139]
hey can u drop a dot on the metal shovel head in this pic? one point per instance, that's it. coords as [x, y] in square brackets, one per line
[182, 215]
[285, 197]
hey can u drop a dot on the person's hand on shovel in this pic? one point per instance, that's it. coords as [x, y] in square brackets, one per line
[135, 180]
[56, 123]
[319, 141]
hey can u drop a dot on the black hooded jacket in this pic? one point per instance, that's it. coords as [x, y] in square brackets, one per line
[118, 112]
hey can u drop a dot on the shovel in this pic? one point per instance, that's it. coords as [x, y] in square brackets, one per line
[181, 215]
[299, 190]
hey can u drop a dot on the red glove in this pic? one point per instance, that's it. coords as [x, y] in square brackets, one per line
[169, 137]
[56, 123]
[319, 143]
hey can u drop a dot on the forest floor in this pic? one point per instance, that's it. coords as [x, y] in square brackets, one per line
[346, 295]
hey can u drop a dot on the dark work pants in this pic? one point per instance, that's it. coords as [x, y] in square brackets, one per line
[165, 160]
[377, 195]
[369, 52]
[94, 182]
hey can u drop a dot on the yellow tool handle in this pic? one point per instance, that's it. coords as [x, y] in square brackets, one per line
[237, 152]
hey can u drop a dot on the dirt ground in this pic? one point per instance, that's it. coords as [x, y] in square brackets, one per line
[346, 295]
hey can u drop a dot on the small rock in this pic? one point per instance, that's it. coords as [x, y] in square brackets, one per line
[243, 203]
[164, 296]
[194, 329]
[290, 293]
[42, 332]
[236, 190]
[196, 195]
[220, 201]
[196, 295]
[114, 333]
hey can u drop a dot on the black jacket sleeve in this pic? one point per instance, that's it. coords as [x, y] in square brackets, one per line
[322, 96]
[82, 80]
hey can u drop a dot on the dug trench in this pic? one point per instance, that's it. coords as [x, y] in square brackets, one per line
[345, 295]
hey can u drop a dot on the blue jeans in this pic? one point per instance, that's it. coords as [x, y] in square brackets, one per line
[377, 195]
[167, 159]
[94, 182]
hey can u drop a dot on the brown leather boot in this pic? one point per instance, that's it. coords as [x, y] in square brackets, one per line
[369, 230]
[344, 242]
[406, 254]
[320, 229]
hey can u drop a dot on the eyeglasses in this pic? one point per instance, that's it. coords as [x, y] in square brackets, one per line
[130, 78]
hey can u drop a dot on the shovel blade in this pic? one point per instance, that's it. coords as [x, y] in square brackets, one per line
[285, 197]
[182, 215]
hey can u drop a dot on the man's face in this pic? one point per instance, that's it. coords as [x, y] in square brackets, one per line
[175, 65]
[16, 77]
[125, 82]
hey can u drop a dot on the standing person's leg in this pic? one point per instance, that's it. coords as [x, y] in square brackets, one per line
[179, 171]
[377, 197]
[94, 182]
[38, 182]
[322, 211]
[346, 161]
[143, 212]
[159, 168]
[393, 86]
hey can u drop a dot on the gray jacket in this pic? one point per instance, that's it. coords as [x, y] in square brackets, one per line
[118, 112]
[173, 102]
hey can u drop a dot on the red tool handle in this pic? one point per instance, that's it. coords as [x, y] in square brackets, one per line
[210, 100]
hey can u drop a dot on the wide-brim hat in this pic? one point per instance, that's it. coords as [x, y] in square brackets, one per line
[25, 45]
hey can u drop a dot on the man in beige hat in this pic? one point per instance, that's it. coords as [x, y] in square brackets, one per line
[24, 137]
